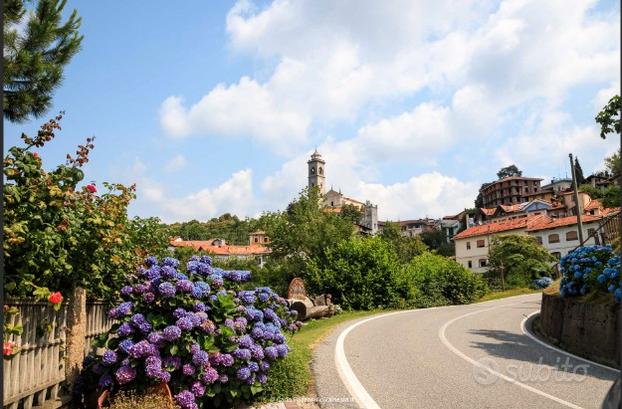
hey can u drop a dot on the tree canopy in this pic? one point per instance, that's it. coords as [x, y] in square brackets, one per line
[609, 117]
[37, 47]
[518, 260]
[511, 170]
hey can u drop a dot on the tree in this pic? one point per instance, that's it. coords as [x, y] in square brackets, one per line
[405, 247]
[609, 117]
[304, 231]
[351, 213]
[34, 60]
[612, 163]
[518, 260]
[436, 240]
[578, 172]
[511, 170]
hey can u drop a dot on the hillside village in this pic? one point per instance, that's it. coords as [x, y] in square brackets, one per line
[513, 204]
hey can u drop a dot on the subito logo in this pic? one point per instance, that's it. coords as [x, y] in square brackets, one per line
[485, 371]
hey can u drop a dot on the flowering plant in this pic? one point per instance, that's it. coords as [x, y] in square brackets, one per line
[590, 268]
[10, 348]
[210, 341]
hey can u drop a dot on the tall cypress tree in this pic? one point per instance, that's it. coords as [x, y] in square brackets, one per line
[37, 46]
[578, 172]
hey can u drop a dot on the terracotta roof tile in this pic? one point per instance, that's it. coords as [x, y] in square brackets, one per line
[226, 250]
[499, 227]
[562, 221]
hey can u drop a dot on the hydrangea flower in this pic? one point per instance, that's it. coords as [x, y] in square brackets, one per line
[109, 357]
[171, 333]
[210, 376]
[125, 374]
[167, 289]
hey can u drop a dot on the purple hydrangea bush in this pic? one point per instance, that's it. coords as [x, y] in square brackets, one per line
[198, 331]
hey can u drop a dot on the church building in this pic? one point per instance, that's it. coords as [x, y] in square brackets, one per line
[334, 200]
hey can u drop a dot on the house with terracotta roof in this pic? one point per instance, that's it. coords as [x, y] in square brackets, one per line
[220, 250]
[558, 235]
[473, 243]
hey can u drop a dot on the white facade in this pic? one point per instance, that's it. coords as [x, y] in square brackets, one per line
[472, 252]
[561, 240]
[558, 241]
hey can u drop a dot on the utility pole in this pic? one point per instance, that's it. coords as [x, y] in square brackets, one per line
[577, 207]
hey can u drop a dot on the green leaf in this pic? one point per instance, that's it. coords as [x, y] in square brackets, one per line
[256, 389]
[173, 349]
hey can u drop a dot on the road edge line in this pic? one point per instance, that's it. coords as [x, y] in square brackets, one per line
[523, 327]
[344, 370]
[460, 354]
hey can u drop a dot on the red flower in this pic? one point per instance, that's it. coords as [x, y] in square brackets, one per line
[55, 298]
[36, 155]
[7, 348]
[91, 188]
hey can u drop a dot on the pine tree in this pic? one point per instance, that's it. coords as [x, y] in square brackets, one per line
[578, 172]
[37, 46]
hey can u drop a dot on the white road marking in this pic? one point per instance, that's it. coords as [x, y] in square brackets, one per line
[523, 328]
[344, 370]
[443, 338]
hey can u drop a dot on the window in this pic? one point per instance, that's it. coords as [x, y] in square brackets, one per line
[539, 239]
[481, 243]
[265, 239]
[256, 240]
[321, 170]
[483, 262]
[572, 235]
[312, 170]
[556, 254]
[470, 264]
[468, 244]
[590, 232]
[553, 238]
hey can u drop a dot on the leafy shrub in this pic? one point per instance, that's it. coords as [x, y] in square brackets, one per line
[361, 273]
[440, 281]
[590, 268]
[51, 223]
[212, 342]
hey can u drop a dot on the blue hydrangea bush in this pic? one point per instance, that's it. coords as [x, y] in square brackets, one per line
[591, 268]
[210, 341]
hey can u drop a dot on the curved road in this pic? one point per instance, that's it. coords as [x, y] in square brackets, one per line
[443, 357]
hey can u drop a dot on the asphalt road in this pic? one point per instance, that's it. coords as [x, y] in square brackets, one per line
[441, 358]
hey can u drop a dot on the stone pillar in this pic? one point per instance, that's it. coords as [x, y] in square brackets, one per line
[76, 330]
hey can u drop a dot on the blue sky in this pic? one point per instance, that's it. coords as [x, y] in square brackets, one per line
[214, 106]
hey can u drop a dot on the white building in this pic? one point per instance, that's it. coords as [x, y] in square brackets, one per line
[558, 236]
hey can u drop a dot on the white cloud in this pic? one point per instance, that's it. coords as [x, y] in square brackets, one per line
[235, 196]
[429, 194]
[604, 95]
[550, 142]
[494, 75]
[238, 110]
[329, 66]
[176, 163]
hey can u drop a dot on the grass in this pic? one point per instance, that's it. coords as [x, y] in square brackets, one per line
[292, 376]
[495, 295]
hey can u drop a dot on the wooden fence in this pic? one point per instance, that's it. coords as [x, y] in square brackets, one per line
[35, 375]
[97, 323]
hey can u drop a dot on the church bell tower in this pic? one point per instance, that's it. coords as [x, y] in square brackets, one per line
[316, 172]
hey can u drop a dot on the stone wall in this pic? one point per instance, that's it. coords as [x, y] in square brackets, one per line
[587, 329]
